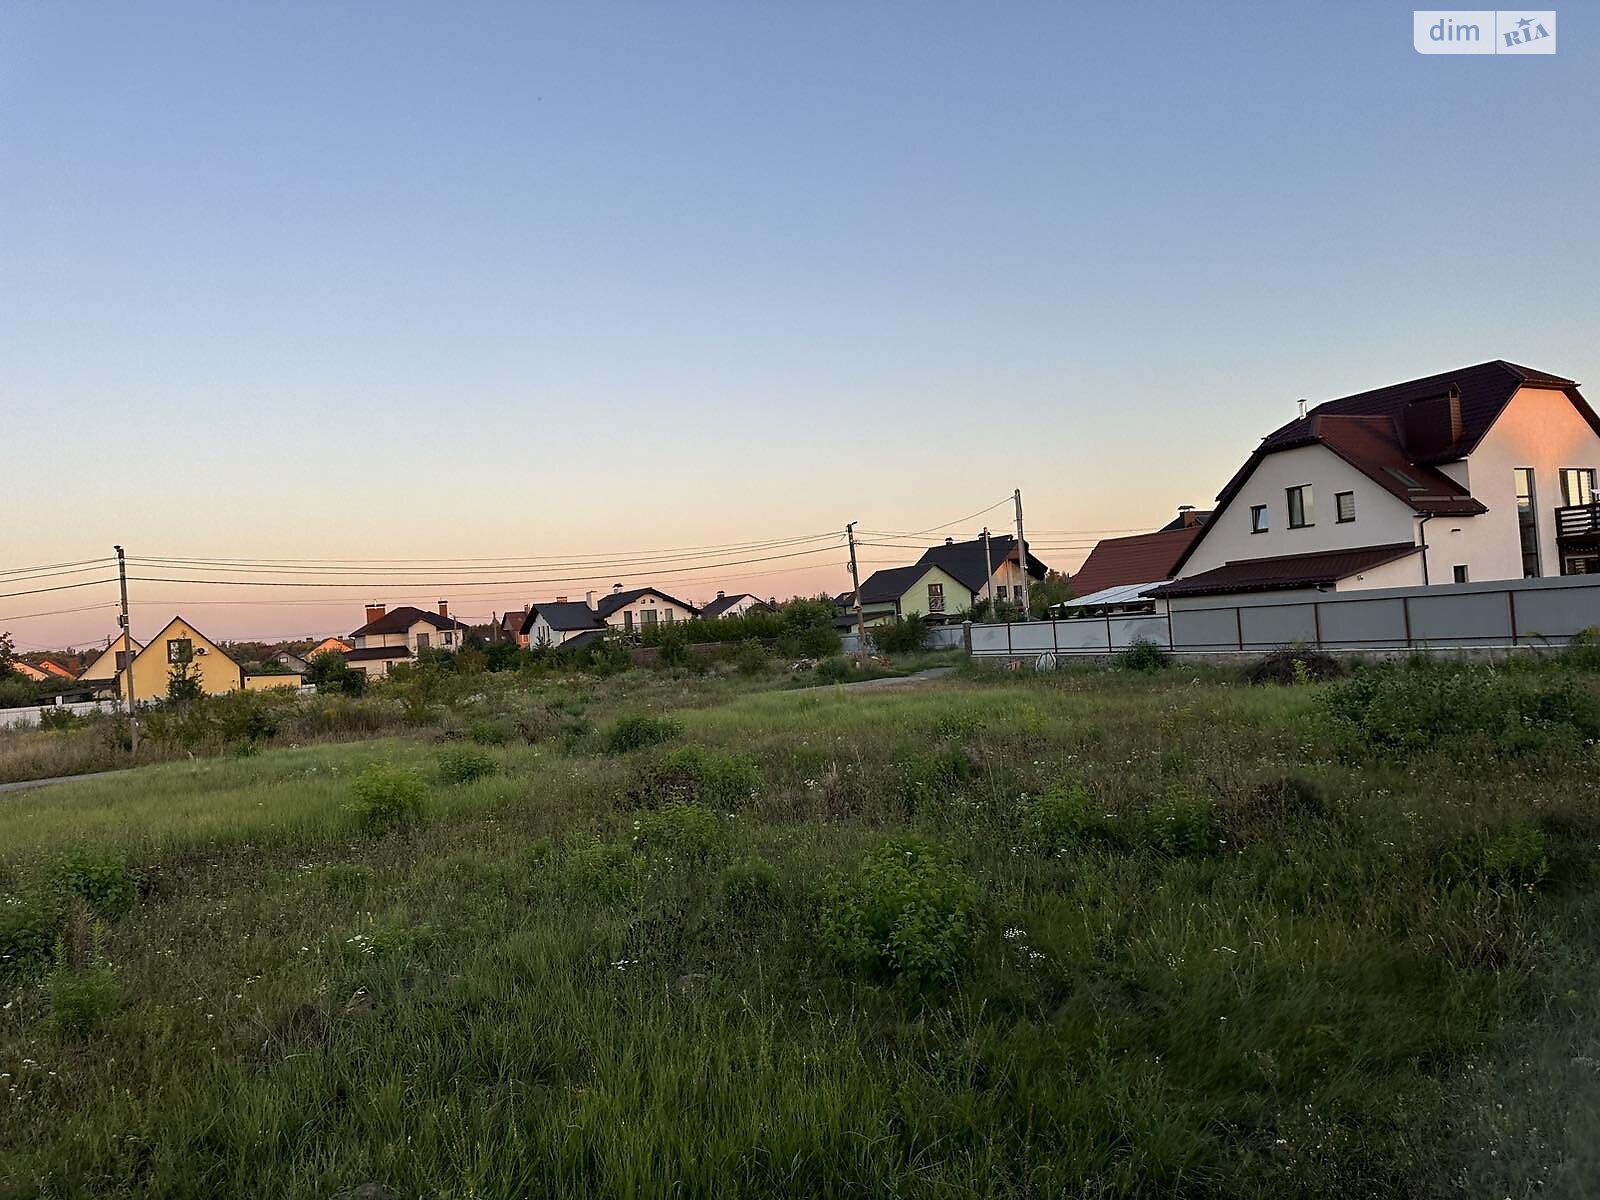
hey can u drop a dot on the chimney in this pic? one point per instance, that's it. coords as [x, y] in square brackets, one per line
[74, 664]
[1302, 403]
[720, 594]
[375, 612]
[1432, 425]
[561, 599]
[1185, 515]
[588, 598]
[949, 541]
[444, 609]
[615, 588]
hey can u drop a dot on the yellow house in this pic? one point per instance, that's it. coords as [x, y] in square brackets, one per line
[182, 642]
[110, 662]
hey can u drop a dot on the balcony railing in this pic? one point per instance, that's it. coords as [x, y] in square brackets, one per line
[1578, 520]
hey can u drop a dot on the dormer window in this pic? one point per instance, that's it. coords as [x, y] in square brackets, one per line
[1301, 513]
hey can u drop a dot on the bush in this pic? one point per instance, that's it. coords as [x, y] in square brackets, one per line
[923, 776]
[385, 796]
[908, 914]
[751, 658]
[245, 717]
[103, 883]
[465, 765]
[81, 1000]
[1143, 655]
[693, 774]
[1295, 665]
[27, 943]
[601, 871]
[1409, 709]
[1182, 827]
[488, 733]
[1066, 819]
[1516, 858]
[636, 733]
[834, 670]
[688, 832]
[749, 884]
[901, 637]
[1582, 652]
[56, 718]
[673, 647]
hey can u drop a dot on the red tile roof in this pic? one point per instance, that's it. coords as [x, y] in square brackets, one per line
[1285, 571]
[1142, 558]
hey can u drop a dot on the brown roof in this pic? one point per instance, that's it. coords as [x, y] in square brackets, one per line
[1142, 558]
[1285, 571]
[370, 653]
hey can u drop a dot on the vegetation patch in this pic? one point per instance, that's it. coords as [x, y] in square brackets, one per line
[386, 796]
[698, 775]
[466, 765]
[641, 732]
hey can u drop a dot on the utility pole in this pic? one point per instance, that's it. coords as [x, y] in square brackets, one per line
[855, 580]
[1022, 556]
[127, 650]
[988, 573]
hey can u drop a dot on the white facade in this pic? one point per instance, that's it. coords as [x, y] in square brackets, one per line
[648, 609]
[541, 633]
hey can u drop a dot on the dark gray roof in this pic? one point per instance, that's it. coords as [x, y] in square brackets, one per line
[610, 604]
[723, 603]
[563, 615]
[579, 640]
[964, 560]
[888, 585]
[398, 620]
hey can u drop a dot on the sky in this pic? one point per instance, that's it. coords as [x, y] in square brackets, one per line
[562, 288]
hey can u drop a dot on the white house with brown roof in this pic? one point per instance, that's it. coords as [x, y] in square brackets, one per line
[1487, 472]
[393, 636]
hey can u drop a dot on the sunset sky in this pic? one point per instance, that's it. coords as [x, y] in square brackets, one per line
[660, 286]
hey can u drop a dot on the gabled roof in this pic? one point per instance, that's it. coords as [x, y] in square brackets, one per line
[609, 604]
[563, 616]
[398, 620]
[723, 603]
[1285, 571]
[1138, 559]
[51, 667]
[888, 585]
[337, 645]
[179, 620]
[579, 640]
[1368, 431]
[964, 561]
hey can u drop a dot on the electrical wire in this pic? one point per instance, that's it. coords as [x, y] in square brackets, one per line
[53, 566]
[63, 587]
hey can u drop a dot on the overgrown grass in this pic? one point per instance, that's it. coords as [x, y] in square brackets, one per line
[1088, 934]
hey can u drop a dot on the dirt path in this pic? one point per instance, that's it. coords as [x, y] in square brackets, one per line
[27, 785]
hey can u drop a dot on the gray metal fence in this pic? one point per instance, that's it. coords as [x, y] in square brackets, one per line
[940, 637]
[1500, 615]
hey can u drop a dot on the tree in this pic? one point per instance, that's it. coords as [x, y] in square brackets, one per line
[184, 685]
[1054, 588]
[331, 673]
[8, 651]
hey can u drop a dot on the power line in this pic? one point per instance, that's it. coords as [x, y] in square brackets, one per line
[23, 574]
[63, 587]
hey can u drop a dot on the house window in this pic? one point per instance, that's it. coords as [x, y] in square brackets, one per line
[122, 660]
[447, 638]
[1577, 485]
[627, 621]
[1258, 518]
[1344, 504]
[936, 597]
[1300, 511]
[669, 616]
[651, 616]
[180, 650]
[1528, 522]
[1460, 574]
[423, 641]
[1000, 591]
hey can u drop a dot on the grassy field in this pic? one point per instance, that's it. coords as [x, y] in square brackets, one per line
[1087, 934]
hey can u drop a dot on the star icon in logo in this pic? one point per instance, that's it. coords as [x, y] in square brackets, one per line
[1525, 22]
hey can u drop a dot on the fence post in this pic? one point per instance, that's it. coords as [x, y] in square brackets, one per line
[1110, 645]
[1511, 608]
[1405, 612]
[1238, 624]
[966, 637]
[1316, 622]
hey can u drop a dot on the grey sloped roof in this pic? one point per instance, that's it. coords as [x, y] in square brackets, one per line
[965, 560]
[563, 616]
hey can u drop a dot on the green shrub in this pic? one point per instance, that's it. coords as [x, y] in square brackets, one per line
[1295, 665]
[1182, 827]
[1516, 857]
[1582, 652]
[673, 647]
[56, 718]
[464, 765]
[385, 796]
[922, 776]
[751, 658]
[901, 637]
[27, 942]
[636, 733]
[694, 774]
[488, 733]
[687, 832]
[1143, 655]
[908, 914]
[1066, 819]
[1410, 709]
[245, 717]
[82, 999]
[749, 884]
[602, 871]
[959, 725]
[102, 882]
[834, 670]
